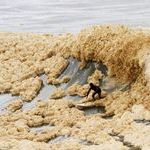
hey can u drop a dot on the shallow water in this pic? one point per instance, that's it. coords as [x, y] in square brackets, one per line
[59, 16]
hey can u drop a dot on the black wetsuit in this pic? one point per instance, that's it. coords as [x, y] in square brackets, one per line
[96, 89]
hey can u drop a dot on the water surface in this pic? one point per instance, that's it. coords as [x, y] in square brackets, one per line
[59, 16]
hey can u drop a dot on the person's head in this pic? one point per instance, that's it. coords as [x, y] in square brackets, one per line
[91, 84]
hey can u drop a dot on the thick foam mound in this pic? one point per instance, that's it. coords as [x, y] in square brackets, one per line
[123, 52]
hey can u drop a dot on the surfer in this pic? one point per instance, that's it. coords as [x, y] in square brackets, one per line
[96, 89]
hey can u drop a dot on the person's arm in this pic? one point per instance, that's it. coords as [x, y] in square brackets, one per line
[88, 92]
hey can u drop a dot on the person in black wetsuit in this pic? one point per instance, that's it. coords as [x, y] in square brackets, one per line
[96, 89]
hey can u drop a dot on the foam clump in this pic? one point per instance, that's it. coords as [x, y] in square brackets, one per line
[15, 105]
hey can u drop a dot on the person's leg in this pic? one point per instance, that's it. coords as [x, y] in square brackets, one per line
[99, 94]
[93, 95]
